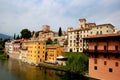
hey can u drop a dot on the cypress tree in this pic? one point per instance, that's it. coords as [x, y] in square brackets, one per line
[60, 32]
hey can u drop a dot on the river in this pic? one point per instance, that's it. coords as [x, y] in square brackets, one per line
[13, 69]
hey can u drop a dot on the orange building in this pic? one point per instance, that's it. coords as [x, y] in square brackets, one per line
[53, 52]
[104, 56]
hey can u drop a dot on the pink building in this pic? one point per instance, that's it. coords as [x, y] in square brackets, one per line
[104, 56]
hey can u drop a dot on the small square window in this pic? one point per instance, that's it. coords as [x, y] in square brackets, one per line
[110, 70]
[116, 64]
[95, 61]
[105, 63]
[95, 67]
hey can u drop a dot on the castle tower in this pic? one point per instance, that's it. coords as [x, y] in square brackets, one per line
[45, 28]
[82, 22]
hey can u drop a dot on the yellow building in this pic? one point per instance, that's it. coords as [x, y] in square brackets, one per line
[53, 52]
[36, 52]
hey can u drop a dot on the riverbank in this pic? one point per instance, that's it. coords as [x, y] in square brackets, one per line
[3, 55]
[63, 68]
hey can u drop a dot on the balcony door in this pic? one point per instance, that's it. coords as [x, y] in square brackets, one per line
[95, 48]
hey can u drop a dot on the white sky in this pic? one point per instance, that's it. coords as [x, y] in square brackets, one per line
[16, 15]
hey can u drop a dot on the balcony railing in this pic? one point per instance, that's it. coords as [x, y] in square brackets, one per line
[101, 51]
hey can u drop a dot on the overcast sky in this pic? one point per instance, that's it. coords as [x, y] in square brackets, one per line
[16, 15]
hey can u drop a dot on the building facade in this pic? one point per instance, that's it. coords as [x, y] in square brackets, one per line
[53, 52]
[104, 56]
[36, 52]
[24, 50]
[75, 36]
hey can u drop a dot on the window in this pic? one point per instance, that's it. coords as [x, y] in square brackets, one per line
[105, 48]
[105, 56]
[110, 70]
[95, 47]
[74, 41]
[95, 61]
[100, 32]
[97, 32]
[116, 64]
[91, 32]
[106, 30]
[77, 49]
[95, 67]
[116, 55]
[105, 62]
[116, 47]
[70, 50]
[80, 49]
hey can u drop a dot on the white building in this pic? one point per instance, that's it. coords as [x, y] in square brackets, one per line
[75, 36]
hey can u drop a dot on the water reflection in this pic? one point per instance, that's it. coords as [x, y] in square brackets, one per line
[13, 69]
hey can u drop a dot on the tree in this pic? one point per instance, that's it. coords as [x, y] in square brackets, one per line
[18, 37]
[77, 62]
[14, 36]
[60, 32]
[25, 33]
[36, 34]
[55, 41]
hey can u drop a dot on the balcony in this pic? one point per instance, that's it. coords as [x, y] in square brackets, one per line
[101, 51]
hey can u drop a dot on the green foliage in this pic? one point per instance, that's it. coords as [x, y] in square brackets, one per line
[2, 43]
[77, 62]
[49, 41]
[18, 37]
[60, 32]
[55, 41]
[36, 34]
[25, 33]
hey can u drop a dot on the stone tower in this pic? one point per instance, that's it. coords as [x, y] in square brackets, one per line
[82, 22]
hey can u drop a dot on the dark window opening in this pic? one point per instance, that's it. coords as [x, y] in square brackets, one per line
[70, 50]
[95, 67]
[96, 55]
[95, 47]
[95, 61]
[116, 47]
[105, 56]
[105, 62]
[116, 64]
[110, 70]
[105, 48]
[116, 55]
[77, 49]
[100, 32]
